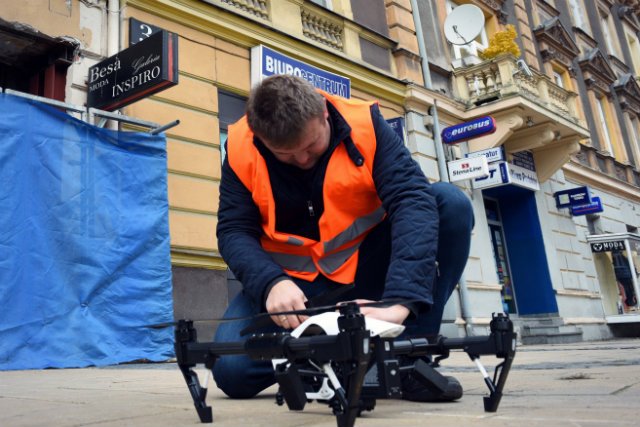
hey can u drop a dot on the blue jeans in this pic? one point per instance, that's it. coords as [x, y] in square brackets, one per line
[240, 377]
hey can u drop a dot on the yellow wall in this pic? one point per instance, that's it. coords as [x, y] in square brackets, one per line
[207, 63]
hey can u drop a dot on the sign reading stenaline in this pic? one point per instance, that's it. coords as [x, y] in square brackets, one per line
[468, 130]
[473, 167]
[266, 62]
[134, 73]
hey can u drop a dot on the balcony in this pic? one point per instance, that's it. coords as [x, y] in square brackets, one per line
[531, 112]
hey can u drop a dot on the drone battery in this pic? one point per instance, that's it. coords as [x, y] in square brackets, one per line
[291, 386]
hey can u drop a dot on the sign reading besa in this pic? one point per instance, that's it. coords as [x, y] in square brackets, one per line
[469, 130]
[134, 73]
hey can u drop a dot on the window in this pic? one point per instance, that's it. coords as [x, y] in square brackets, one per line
[607, 34]
[634, 49]
[558, 79]
[230, 109]
[479, 44]
[577, 14]
[602, 120]
[635, 139]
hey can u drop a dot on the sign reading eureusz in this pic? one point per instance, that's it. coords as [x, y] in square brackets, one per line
[134, 73]
[468, 130]
[266, 62]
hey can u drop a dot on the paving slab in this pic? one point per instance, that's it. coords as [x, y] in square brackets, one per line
[582, 384]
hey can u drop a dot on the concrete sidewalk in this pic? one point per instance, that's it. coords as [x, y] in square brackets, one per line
[583, 384]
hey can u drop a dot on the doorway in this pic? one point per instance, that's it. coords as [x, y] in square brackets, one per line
[500, 255]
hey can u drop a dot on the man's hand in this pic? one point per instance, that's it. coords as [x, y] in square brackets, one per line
[395, 314]
[286, 296]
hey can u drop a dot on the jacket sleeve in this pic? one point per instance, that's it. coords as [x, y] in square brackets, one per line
[413, 213]
[239, 233]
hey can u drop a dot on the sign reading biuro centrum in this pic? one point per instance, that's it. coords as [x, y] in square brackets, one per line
[134, 73]
[266, 62]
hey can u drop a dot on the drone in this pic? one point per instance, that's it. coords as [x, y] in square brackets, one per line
[348, 368]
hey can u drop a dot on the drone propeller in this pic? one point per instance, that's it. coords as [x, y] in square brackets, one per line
[262, 320]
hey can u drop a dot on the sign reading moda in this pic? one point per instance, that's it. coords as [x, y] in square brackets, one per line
[134, 73]
[468, 130]
[266, 62]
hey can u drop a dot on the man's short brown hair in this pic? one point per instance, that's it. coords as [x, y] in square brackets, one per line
[279, 108]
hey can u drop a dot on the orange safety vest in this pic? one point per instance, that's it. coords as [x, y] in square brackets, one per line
[351, 204]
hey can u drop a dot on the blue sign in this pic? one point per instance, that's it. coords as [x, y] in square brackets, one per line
[266, 62]
[468, 130]
[397, 124]
[594, 207]
[572, 197]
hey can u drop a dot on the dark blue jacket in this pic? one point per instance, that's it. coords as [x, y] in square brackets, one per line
[401, 185]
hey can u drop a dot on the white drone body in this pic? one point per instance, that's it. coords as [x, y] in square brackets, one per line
[327, 324]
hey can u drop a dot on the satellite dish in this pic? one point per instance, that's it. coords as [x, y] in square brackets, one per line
[463, 24]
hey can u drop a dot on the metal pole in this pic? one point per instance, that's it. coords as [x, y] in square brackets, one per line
[463, 292]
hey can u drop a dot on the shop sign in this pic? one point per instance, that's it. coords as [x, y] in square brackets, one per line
[397, 124]
[614, 245]
[572, 197]
[523, 159]
[266, 62]
[498, 175]
[594, 207]
[523, 177]
[503, 173]
[468, 130]
[492, 154]
[139, 31]
[473, 167]
[134, 73]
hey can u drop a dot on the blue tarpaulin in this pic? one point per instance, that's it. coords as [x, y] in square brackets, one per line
[84, 241]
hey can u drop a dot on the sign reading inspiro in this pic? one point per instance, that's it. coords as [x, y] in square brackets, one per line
[134, 73]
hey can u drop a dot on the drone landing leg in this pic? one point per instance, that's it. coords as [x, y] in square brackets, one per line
[198, 393]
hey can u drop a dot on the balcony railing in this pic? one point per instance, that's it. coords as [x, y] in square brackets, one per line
[501, 77]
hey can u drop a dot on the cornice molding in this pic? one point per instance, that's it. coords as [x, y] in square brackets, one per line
[597, 71]
[556, 42]
[628, 92]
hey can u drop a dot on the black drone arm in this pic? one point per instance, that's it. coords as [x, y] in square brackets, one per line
[501, 343]
[350, 348]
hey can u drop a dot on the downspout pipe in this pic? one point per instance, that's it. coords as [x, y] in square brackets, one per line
[113, 27]
[437, 139]
[113, 40]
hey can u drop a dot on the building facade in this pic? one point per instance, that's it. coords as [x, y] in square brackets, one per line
[567, 114]
[567, 104]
